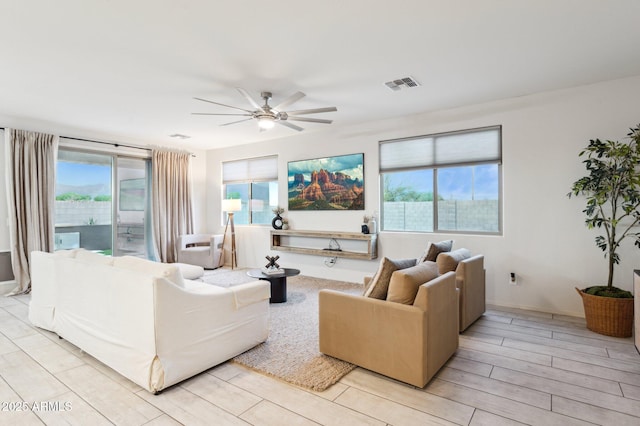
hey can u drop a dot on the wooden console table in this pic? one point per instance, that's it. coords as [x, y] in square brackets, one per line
[318, 243]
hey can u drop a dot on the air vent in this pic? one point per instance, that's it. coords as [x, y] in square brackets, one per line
[179, 136]
[400, 83]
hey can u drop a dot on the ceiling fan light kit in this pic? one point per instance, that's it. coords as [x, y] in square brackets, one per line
[266, 123]
[267, 116]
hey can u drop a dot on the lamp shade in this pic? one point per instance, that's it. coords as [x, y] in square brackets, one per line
[229, 205]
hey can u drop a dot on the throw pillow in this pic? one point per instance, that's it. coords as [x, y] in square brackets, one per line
[449, 261]
[434, 249]
[405, 283]
[380, 282]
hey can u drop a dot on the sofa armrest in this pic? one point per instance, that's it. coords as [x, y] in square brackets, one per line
[197, 330]
[440, 300]
[470, 278]
[375, 334]
[216, 241]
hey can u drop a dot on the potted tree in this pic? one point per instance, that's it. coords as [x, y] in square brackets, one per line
[612, 191]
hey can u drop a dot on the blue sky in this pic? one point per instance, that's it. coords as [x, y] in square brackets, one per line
[454, 182]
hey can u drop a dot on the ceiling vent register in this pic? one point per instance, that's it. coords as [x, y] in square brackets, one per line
[398, 84]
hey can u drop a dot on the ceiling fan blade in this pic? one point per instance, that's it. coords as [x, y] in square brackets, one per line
[234, 122]
[213, 113]
[290, 125]
[224, 105]
[291, 99]
[252, 101]
[312, 111]
[310, 120]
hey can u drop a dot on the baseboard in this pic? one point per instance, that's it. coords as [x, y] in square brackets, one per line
[6, 287]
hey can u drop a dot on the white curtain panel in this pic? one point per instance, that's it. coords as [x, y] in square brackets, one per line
[171, 201]
[31, 180]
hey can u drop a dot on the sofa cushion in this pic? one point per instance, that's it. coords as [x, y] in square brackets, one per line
[434, 249]
[380, 282]
[404, 284]
[91, 257]
[66, 253]
[449, 261]
[164, 270]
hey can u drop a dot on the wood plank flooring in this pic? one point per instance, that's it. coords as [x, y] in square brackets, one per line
[513, 367]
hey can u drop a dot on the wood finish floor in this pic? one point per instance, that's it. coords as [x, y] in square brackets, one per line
[512, 367]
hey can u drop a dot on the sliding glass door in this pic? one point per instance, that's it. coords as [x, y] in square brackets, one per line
[101, 203]
[131, 207]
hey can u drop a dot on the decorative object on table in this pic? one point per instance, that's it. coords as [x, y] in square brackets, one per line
[272, 268]
[612, 191]
[285, 224]
[230, 206]
[365, 224]
[373, 225]
[272, 262]
[277, 221]
[331, 183]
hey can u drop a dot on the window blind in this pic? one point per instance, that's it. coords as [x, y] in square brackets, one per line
[250, 169]
[445, 149]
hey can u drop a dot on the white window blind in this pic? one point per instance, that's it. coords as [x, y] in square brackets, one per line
[446, 149]
[250, 169]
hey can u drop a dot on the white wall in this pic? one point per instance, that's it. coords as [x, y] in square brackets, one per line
[544, 241]
[199, 190]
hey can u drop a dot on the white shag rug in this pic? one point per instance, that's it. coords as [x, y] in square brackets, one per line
[291, 352]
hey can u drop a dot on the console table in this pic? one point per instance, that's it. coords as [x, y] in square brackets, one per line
[319, 243]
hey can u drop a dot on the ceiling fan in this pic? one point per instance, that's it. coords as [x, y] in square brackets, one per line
[268, 116]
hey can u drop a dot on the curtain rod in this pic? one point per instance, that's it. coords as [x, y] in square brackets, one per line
[116, 144]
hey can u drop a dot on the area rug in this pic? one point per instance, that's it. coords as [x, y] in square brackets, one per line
[291, 352]
[225, 277]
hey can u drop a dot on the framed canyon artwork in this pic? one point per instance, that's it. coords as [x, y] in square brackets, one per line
[330, 183]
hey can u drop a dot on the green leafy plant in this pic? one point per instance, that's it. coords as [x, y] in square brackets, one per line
[72, 196]
[102, 198]
[612, 190]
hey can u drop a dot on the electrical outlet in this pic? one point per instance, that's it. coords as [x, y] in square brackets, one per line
[513, 280]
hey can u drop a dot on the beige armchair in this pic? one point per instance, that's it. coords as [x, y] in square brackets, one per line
[200, 249]
[409, 343]
[470, 281]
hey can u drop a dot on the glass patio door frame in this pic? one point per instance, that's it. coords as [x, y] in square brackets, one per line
[145, 228]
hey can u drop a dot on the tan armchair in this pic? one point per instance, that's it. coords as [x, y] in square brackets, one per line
[409, 343]
[200, 249]
[470, 280]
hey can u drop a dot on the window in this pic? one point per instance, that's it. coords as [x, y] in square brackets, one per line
[448, 182]
[255, 182]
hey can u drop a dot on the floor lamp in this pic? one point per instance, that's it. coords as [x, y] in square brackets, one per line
[230, 206]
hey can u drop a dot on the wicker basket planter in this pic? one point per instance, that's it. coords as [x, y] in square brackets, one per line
[608, 315]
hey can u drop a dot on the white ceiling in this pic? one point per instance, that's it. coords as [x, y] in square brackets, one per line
[127, 71]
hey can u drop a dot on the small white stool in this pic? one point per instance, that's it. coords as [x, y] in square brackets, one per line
[190, 272]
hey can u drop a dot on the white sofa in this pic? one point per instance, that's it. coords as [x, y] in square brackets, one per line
[141, 318]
